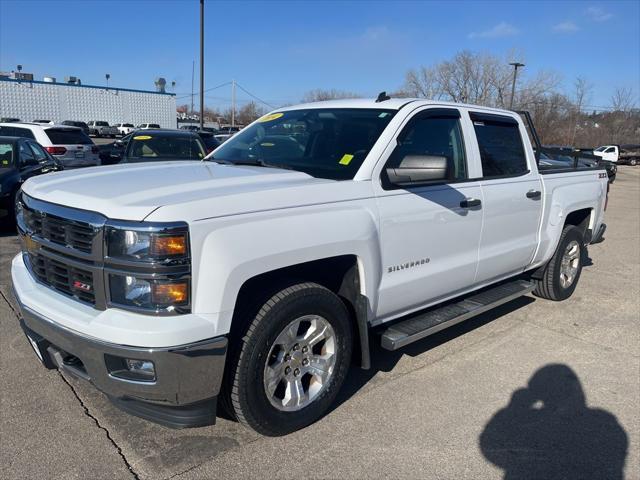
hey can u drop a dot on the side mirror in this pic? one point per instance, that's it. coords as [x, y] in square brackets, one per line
[118, 143]
[32, 162]
[416, 169]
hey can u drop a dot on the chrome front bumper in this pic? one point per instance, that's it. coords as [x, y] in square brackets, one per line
[188, 377]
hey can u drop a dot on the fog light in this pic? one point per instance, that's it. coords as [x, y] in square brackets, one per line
[141, 368]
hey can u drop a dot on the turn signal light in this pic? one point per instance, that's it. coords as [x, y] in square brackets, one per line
[169, 293]
[166, 246]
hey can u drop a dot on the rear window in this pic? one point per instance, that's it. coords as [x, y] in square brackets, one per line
[67, 136]
[130, 125]
[168, 147]
[102, 124]
[154, 125]
[6, 155]
[16, 132]
[500, 143]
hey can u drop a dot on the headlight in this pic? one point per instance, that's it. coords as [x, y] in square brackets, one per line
[164, 244]
[149, 294]
[148, 266]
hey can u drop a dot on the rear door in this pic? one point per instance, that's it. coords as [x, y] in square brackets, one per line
[72, 147]
[512, 197]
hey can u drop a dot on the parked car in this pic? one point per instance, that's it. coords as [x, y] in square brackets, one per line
[20, 159]
[111, 153]
[163, 145]
[9, 120]
[209, 139]
[101, 129]
[225, 133]
[253, 277]
[75, 123]
[629, 154]
[147, 126]
[193, 128]
[125, 128]
[67, 144]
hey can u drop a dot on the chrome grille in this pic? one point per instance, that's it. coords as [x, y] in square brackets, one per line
[61, 231]
[63, 248]
[72, 281]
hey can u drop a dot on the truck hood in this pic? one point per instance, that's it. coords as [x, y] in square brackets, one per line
[135, 191]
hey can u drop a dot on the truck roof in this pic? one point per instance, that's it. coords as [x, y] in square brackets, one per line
[391, 104]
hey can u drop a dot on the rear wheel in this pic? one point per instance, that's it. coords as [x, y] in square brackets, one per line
[633, 162]
[291, 361]
[560, 276]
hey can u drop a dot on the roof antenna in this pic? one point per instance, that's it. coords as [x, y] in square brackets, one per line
[382, 97]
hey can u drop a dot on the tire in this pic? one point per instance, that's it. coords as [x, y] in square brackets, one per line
[633, 162]
[256, 354]
[555, 284]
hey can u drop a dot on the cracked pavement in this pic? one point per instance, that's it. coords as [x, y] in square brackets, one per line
[422, 412]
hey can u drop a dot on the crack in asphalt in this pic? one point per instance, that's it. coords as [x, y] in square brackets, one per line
[4, 297]
[84, 407]
[100, 426]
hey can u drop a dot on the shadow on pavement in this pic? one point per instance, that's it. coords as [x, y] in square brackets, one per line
[547, 431]
[385, 361]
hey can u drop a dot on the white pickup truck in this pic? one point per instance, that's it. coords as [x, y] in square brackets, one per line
[619, 153]
[253, 277]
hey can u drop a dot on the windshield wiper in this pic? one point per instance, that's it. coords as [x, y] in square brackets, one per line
[257, 162]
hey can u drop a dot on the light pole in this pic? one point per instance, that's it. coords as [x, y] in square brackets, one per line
[107, 76]
[516, 65]
[201, 64]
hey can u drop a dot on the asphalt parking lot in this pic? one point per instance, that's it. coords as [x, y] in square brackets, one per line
[534, 389]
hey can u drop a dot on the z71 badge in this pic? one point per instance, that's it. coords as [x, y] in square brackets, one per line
[404, 266]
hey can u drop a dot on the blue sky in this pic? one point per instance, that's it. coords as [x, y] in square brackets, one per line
[279, 50]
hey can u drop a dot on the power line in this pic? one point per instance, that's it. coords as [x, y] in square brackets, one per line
[252, 95]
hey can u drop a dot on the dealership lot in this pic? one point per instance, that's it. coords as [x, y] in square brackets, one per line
[422, 412]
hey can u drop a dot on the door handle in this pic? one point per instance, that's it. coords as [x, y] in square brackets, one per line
[534, 194]
[470, 203]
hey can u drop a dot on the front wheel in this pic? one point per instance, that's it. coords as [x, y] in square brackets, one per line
[292, 360]
[560, 276]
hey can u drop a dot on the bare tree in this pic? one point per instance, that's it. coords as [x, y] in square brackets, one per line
[319, 95]
[475, 78]
[249, 112]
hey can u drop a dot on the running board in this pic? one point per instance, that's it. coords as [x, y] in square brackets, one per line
[425, 324]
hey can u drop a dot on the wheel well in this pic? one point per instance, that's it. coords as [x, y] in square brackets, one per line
[579, 218]
[338, 274]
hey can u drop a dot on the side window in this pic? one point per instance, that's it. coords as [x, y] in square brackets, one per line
[26, 155]
[38, 152]
[609, 150]
[500, 143]
[16, 132]
[436, 133]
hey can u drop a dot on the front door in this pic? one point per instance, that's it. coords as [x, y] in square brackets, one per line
[429, 235]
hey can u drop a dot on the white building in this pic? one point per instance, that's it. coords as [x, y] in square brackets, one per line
[34, 100]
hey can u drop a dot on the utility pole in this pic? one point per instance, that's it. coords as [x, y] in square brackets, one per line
[233, 103]
[201, 64]
[516, 65]
[193, 69]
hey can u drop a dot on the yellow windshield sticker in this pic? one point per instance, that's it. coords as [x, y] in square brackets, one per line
[5, 162]
[346, 159]
[267, 144]
[142, 137]
[269, 118]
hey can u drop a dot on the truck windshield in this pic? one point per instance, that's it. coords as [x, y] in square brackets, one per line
[324, 143]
